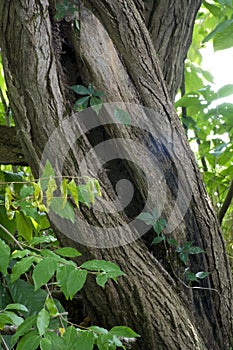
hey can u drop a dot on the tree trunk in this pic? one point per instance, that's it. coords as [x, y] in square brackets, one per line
[134, 52]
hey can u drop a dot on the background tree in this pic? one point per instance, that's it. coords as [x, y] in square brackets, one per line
[134, 51]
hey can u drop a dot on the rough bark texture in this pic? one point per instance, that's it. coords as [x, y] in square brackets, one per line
[10, 148]
[133, 51]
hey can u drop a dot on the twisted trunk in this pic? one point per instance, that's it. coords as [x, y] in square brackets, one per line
[134, 52]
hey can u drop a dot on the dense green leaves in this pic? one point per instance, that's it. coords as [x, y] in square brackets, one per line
[43, 272]
[4, 256]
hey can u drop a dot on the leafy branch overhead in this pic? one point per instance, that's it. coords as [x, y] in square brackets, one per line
[26, 203]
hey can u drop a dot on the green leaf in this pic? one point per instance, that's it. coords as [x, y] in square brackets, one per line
[43, 272]
[68, 252]
[73, 190]
[16, 320]
[85, 341]
[70, 280]
[70, 338]
[224, 39]
[224, 91]
[81, 103]
[122, 116]
[124, 332]
[215, 10]
[42, 321]
[5, 253]
[24, 328]
[219, 28]
[147, 218]
[96, 104]
[173, 242]
[91, 89]
[202, 274]
[51, 187]
[56, 341]
[48, 172]
[51, 306]
[102, 279]
[63, 188]
[196, 250]
[21, 267]
[16, 306]
[46, 344]
[160, 225]
[80, 90]
[43, 239]
[98, 330]
[66, 212]
[102, 265]
[158, 239]
[5, 319]
[29, 341]
[24, 226]
[98, 93]
[184, 257]
[190, 276]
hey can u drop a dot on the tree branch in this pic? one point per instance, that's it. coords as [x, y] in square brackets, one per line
[10, 149]
[226, 203]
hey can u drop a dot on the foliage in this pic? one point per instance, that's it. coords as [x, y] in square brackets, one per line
[91, 98]
[34, 265]
[206, 117]
[183, 251]
[65, 9]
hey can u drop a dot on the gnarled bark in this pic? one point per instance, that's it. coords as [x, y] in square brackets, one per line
[119, 55]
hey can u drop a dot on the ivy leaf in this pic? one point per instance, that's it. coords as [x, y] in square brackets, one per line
[183, 257]
[196, 250]
[202, 274]
[96, 104]
[191, 276]
[173, 242]
[81, 103]
[43, 272]
[147, 218]
[80, 90]
[160, 225]
[122, 116]
[4, 256]
[158, 239]
[42, 321]
[98, 93]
